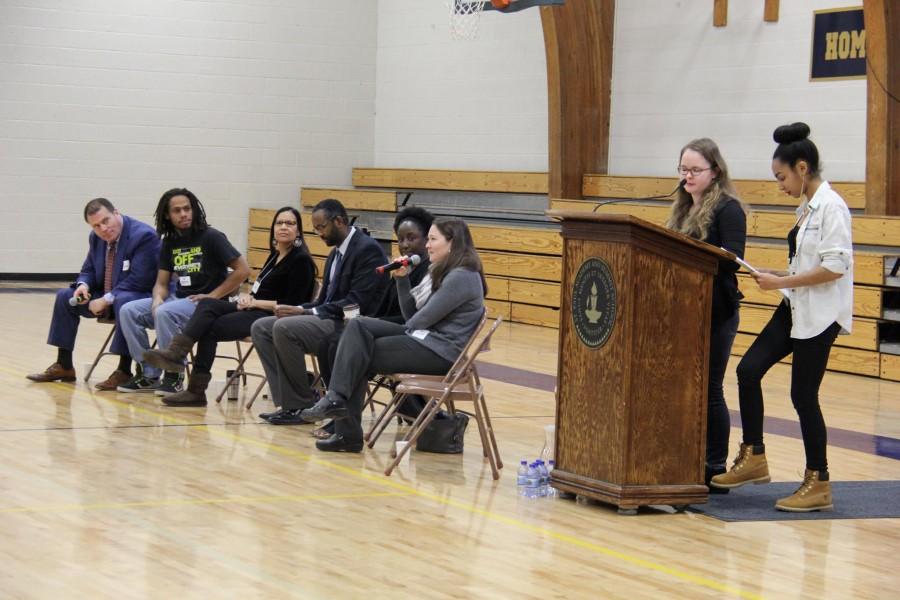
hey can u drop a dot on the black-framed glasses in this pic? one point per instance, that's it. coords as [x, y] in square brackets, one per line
[285, 223]
[695, 171]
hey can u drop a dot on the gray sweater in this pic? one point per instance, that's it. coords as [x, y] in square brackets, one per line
[446, 321]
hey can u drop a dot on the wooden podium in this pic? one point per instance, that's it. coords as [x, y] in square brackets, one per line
[633, 361]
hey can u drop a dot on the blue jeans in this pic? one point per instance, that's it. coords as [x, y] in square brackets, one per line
[135, 319]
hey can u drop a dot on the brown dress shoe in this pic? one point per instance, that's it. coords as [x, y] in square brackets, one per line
[54, 372]
[115, 379]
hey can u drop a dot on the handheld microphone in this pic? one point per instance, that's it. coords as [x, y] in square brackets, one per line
[76, 300]
[403, 261]
[617, 200]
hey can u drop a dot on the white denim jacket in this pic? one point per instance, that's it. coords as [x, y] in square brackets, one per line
[824, 239]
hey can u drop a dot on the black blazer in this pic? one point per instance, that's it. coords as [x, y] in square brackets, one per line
[357, 283]
[728, 230]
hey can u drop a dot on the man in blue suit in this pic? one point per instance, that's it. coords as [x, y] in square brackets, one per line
[121, 266]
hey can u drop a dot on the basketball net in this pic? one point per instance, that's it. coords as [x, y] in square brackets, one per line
[464, 18]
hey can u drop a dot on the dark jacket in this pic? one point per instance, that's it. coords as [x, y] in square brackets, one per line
[728, 230]
[357, 282]
[389, 307]
[139, 245]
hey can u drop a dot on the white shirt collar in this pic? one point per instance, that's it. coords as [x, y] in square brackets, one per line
[343, 247]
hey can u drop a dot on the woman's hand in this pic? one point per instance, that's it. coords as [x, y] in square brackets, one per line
[402, 271]
[769, 281]
[244, 302]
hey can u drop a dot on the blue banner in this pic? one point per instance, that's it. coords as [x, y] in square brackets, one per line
[839, 44]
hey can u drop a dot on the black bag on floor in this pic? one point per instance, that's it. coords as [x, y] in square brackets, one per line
[444, 435]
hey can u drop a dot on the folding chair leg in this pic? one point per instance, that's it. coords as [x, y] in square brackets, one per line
[256, 393]
[486, 446]
[382, 420]
[100, 354]
[490, 430]
[427, 416]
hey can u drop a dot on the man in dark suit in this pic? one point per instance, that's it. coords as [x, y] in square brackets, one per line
[121, 265]
[349, 278]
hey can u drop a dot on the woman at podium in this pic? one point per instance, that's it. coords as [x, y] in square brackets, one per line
[818, 289]
[707, 208]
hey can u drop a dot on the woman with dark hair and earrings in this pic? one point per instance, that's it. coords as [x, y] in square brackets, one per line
[428, 343]
[707, 208]
[818, 305]
[287, 277]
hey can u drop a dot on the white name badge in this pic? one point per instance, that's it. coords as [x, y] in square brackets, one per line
[126, 265]
[255, 287]
[184, 281]
[420, 334]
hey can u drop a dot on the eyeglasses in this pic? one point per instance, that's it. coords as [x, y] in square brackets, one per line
[323, 226]
[695, 171]
[285, 223]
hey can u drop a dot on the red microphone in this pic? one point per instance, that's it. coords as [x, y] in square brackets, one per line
[403, 261]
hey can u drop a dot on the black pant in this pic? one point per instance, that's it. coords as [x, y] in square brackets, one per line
[807, 369]
[718, 421]
[217, 321]
[372, 346]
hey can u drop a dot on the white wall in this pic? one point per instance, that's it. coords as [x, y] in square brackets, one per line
[241, 101]
[446, 104]
[676, 77]
[482, 104]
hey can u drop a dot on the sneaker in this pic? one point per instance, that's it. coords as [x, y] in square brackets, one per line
[169, 385]
[138, 383]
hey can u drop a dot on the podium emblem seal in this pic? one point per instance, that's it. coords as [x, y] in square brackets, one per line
[593, 303]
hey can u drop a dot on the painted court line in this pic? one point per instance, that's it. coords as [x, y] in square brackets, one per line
[411, 491]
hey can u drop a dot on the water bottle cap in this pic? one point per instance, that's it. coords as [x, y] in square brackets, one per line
[523, 462]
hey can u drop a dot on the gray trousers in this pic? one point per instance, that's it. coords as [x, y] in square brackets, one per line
[282, 345]
[374, 346]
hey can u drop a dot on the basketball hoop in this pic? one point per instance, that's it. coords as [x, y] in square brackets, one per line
[464, 18]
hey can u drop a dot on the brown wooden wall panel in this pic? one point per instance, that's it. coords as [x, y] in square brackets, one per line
[258, 238]
[435, 179]
[751, 191]
[868, 267]
[866, 300]
[351, 199]
[547, 268]
[256, 258]
[864, 335]
[498, 288]
[517, 239]
[261, 218]
[534, 315]
[534, 292]
[497, 308]
[890, 367]
[316, 246]
[847, 360]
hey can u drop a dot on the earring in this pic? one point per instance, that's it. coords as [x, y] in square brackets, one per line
[274, 243]
[298, 242]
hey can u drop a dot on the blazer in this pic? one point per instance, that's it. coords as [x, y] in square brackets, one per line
[357, 282]
[139, 245]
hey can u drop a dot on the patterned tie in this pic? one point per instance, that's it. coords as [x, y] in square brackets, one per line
[335, 277]
[108, 272]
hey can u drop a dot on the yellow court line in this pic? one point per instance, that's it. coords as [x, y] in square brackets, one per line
[471, 508]
[194, 502]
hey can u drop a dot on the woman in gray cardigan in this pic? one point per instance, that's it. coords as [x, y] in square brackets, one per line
[428, 343]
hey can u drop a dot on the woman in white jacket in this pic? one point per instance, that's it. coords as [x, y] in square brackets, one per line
[818, 305]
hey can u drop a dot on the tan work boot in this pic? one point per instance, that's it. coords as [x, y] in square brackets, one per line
[747, 468]
[813, 494]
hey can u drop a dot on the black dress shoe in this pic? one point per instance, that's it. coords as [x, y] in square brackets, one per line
[338, 443]
[287, 416]
[269, 415]
[327, 407]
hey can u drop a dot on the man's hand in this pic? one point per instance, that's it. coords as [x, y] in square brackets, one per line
[98, 306]
[286, 310]
[82, 292]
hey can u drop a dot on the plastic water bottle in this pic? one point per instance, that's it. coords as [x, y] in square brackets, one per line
[533, 488]
[551, 491]
[522, 477]
[545, 478]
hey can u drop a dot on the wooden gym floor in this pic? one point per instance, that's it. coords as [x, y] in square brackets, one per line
[109, 495]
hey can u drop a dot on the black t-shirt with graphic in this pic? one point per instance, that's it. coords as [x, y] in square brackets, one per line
[198, 263]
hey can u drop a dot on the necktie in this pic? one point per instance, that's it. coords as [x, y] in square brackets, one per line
[335, 277]
[108, 271]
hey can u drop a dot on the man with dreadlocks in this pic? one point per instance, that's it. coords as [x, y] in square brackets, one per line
[193, 264]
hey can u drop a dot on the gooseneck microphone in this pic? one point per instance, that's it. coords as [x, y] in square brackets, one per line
[403, 261]
[617, 200]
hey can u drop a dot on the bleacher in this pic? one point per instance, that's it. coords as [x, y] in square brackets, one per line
[521, 248]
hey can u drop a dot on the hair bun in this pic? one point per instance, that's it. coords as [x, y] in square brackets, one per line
[791, 133]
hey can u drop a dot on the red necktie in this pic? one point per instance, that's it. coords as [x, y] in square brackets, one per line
[108, 272]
